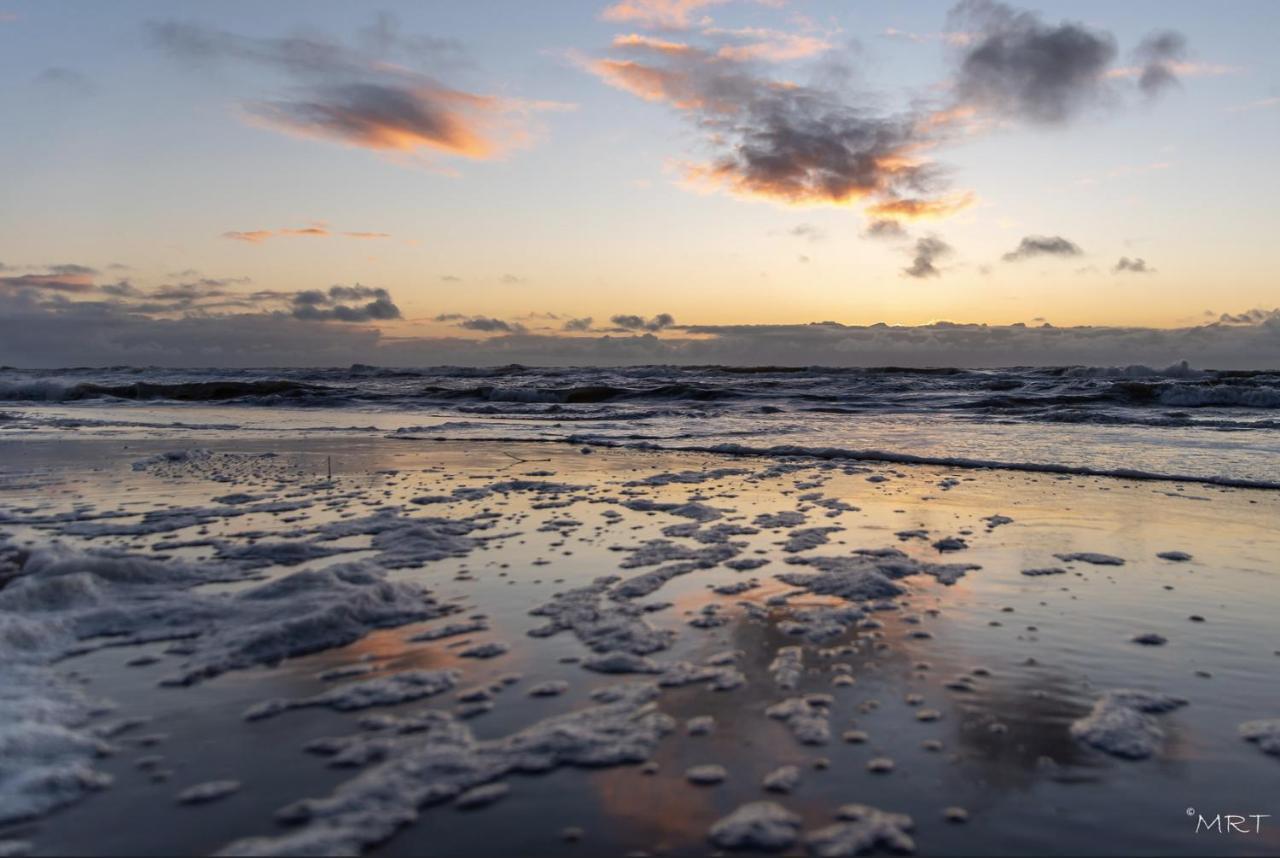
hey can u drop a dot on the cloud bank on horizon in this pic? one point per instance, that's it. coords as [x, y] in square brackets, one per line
[201, 323]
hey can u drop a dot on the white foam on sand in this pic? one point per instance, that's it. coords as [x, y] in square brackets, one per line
[387, 690]
[603, 626]
[1120, 723]
[1264, 733]
[433, 757]
[808, 718]
[60, 602]
[865, 830]
[765, 826]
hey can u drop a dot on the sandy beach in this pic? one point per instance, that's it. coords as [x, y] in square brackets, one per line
[615, 652]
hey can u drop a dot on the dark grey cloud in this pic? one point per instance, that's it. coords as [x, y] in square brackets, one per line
[1256, 316]
[490, 325]
[1133, 266]
[885, 229]
[928, 249]
[639, 323]
[123, 289]
[343, 304]
[1043, 245]
[1159, 53]
[582, 324]
[808, 231]
[1017, 65]
[797, 143]
[511, 279]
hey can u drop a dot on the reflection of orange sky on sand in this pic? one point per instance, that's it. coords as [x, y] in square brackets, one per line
[659, 805]
[390, 648]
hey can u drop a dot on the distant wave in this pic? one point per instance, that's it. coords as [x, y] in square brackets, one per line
[584, 394]
[783, 451]
[191, 391]
[1140, 395]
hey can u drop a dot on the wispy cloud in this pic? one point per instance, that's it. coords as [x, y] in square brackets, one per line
[759, 43]
[1259, 104]
[808, 232]
[315, 230]
[65, 80]
[921, 209]
[950, 38]
[367, 95]
[664, 14]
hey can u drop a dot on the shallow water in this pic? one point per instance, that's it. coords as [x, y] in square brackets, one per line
[1044, 648]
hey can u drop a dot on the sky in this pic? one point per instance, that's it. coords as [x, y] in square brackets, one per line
[639, 180]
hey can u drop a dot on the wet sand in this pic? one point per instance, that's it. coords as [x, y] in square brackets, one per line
[1005, 666]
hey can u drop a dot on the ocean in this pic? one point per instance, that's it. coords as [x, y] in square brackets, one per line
[1181, 423]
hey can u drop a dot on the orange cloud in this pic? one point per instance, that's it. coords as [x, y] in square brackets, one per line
[395, 119]
[921, 209]
[669, 14]
[647, 82]
[756, 43]
[317, 229]
[635, 40]
[256, 236]
[362, 95]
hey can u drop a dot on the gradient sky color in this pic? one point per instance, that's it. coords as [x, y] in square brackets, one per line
[573, 197]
